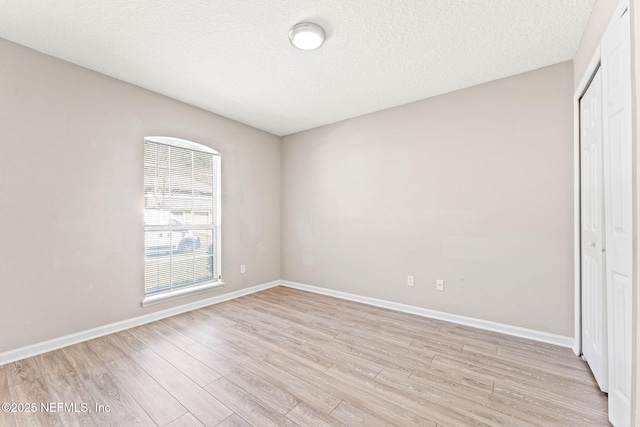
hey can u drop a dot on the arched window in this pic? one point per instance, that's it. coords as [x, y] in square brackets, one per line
[181, 219]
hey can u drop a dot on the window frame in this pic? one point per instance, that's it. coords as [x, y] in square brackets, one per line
[199, 287]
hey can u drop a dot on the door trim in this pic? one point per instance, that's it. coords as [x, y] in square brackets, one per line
[592, 68]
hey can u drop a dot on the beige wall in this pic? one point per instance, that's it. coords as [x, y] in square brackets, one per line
[598, 22]
[71, 203]
[473, 187]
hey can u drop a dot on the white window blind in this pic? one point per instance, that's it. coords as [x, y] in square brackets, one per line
[181, 215]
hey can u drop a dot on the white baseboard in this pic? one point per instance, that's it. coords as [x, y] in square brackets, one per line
[453, 318]
[56, 343]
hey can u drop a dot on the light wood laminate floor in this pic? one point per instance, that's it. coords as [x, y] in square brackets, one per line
[284, 357]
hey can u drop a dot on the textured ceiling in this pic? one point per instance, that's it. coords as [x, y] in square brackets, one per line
[234, 57]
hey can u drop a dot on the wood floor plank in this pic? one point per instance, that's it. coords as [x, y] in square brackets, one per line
[318, 399]
[305, 415]
[210, 358]
[104, 389]
[187, 420]
[289, 357]
[562, 364]
[105, 349]
[246, 340]
[127, 342]
[161, 405]
[305, 325]
[362, 329]
[152, 397]
[447, 406]
[560, 413]
[6, 417]
[378, 406]
[54, 363]
[453, 380]
[234, 421]
[211, 316]
[84, 361]
[468, 335]
[337, 351]
[33, 394]
[22, 370]
[208, 410]
[246, 405]
[561, 409]
[200, 373]
[489, 349]
[540, 381]
[78, 405]
[173, 336]
[442, 408]
[196, 330]
[123, 408]
[353, 416]
[400, 358]
[273, 343]
[528, 414]
[261, 388]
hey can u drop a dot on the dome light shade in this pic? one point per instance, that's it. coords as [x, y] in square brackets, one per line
[307, 36]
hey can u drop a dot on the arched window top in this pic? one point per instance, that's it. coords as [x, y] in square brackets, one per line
[181, 143]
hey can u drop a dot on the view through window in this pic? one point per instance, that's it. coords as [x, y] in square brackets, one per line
[181, 214]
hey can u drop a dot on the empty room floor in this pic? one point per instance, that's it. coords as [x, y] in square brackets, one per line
[284, 357]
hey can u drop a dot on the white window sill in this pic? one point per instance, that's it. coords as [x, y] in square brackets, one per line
[180, 293]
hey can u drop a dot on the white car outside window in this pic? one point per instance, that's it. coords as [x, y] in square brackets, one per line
[167, 239]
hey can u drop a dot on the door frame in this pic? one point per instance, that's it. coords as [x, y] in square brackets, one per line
[588, 75]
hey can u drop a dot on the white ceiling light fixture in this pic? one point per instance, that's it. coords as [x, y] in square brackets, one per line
[307, 36]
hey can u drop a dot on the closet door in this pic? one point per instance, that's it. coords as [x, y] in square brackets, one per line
[616, 100]
[594, 301]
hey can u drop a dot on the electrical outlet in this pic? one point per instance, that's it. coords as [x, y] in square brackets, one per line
[243, 268]
[410, 281]
[439, 285]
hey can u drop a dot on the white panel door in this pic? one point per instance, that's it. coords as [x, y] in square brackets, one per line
[594, 301]
[616, 106]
